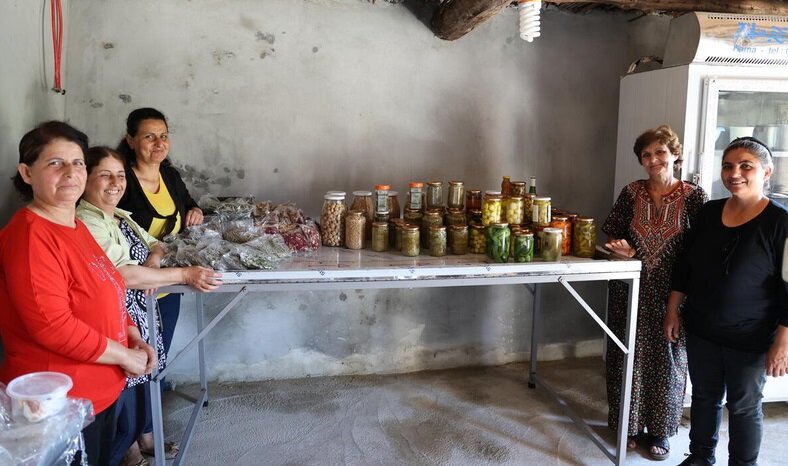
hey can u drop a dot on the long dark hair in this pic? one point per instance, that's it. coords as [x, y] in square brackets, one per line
[33, 143]
[133, 125]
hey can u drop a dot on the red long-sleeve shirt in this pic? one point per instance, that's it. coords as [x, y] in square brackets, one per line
[60, 298]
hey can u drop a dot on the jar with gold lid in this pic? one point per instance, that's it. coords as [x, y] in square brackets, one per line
[380, 236]
[438, 241]
[456, 217]
[456, 197]
[435, 195]
[551, 244]
[354, 230]
[477, 238]
[458, 239]
[515, 210]
[584, 244]
[523, 247]
[410, 240]
[362, 200]
[541, 211]
[473, 200]
[432, 218]
[492, 208]
[517, 188]
[498, 242]
[562, 222]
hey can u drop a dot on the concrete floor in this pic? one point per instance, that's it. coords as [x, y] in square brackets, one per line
[479, 416]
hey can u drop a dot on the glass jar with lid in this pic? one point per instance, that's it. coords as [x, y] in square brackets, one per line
[354, 229]
[410, 240]
[438, 241]
[537, 239]
[541, 211]
[456, 197]
[524, 247]
[506, 186]
[412, 216]
[584, 244]
[415, 196]
[380, 236]
[477, 239]
[382, 198]
[435, 195]
[473, 200]
[498, 242]
[475, 216]
[432, 218]
[394, 210]
[562, 222]
[362, 200]
[517, 188]
[492, 208]
[332, 220]
[515, 210]
[458, 239]
[456, 217]
[551, 244]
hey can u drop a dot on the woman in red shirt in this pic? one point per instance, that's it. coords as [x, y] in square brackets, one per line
[61, 299]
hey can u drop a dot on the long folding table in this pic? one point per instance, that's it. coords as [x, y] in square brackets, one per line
[343, 269]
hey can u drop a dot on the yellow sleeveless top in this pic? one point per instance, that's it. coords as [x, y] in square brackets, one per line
[164, 205]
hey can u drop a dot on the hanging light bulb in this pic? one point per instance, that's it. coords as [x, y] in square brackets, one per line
[529, 19]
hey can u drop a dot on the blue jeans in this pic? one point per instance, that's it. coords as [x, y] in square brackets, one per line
[719, 372]
[129, 417]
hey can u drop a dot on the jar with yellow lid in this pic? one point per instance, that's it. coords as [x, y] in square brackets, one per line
[541, 211]
[432, 218]
[435, 195]
[456, 197]
[498, 242]
[492, 208]
[362, 200]
[458, 239]
[410, 240]
[477, 238]
[456, 217]
[380, 236]
[584, 244]
[551, 244]
[354, 229]
[562, 222]
[524, 246]
[515, 210]
[437, 241]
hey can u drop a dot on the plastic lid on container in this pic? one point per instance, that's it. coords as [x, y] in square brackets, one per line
[542, 199]
[362, 193]
[415, 184]
[382, 187]
[393, 193]
[40, 385]
[552, 230]
[334, 197]
[493, 193]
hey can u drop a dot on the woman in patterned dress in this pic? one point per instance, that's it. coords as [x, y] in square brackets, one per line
[648, 222]
[137, 256]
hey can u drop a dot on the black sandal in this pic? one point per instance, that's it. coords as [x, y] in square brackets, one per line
[658, 442]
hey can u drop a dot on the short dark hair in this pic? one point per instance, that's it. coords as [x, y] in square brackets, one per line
[664, 135]
[33, 143]
[755, 147]
[96, 154]
[133, 125]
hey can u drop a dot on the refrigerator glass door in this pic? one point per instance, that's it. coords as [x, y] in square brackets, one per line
[744, 107]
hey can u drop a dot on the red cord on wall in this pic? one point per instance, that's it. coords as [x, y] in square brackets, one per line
[57, 41]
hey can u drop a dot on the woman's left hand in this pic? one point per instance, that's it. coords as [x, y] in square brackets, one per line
[194, 216]
[136, 342]
[777, 357]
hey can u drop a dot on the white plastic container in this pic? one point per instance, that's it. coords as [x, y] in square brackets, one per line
[38, 395]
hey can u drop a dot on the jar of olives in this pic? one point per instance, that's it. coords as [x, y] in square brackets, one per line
[438, 241]
[410, 240]
[492, 208]
[432, 218]
[380, 236]
[435, 195]
[354, 229]
[458, 239]
[498, 242]
[515, 210]
[456, 197]
[584, 244]
[362, 200]
[332, 219]
[456, 217]
[477, 238]
[551, 244]
[541, 211]
[524, 247]
[562, 222]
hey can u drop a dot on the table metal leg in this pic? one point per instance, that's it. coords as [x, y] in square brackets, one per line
[536, 329]
[626, 382]
[154, 387]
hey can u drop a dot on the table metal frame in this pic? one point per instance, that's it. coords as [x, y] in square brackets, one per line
[341, 269]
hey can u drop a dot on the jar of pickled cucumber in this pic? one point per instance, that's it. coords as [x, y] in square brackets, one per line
[456, 217]
[412, 216]
[524, 246]
[528, 207]
[362, 200]
[551, 244]
[354, 229]
[584, 244]
[541, 214]
[432, 218]
[332, 219]
[562, 222]
[458, 239]
[410, 240]
[394, 210]
[473, 200]
[438, 241]
[456, 197]
[517, 188]
[435, 195]
[498, 242]
[515, 210]
[415, 196]
[380, 236]
[477, 238]
[492, 208]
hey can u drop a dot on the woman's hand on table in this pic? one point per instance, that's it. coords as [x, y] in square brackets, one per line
[201, 278]
[777, 357]
[194, 216]
[621, 247]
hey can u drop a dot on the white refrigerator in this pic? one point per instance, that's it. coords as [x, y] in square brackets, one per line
[723, 76]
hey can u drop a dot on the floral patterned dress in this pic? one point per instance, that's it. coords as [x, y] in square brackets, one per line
[136, 305]
[660, 367]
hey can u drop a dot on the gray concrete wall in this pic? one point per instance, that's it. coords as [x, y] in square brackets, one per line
[286, 99]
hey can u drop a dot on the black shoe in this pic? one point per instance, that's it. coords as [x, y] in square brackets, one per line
[694, 460]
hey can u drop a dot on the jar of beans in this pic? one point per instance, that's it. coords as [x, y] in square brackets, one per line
[332, 219]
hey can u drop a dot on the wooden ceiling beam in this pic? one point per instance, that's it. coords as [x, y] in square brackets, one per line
[758, 7]
[455, 18]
